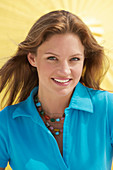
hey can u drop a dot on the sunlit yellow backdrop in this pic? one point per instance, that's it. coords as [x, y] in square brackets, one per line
[17, 16]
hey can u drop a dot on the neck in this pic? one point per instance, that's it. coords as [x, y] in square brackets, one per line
[54, 105]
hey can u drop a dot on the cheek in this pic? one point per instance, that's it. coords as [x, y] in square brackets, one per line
[78, 70]
[45, 69]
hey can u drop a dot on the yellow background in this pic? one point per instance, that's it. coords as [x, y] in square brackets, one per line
[17, 16]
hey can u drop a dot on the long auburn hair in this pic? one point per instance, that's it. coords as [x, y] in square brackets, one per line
[18, 77]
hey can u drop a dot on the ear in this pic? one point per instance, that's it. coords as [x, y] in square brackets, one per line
[32, 59]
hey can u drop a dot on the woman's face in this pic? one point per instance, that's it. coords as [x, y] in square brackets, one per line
[59, 62]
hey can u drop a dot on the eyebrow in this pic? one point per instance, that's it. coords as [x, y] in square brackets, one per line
[51, 53]
[77, 54]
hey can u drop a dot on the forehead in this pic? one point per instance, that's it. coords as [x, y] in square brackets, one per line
[62, 42]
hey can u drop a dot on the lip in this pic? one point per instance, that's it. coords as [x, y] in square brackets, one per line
[62, 81]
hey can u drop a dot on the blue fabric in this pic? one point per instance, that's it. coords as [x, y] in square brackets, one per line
[87, 138]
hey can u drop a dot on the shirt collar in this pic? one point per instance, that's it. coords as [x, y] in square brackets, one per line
[27, 108]
[81, 100]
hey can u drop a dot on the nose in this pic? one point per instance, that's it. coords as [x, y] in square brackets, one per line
[64, 69]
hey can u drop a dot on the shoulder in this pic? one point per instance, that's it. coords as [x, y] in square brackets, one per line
[95, 98]
[21, 109]
[86, 92]
[102, 99]
[100, 95]
[7, 112]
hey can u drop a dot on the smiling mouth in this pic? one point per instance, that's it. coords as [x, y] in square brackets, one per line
[61, 81]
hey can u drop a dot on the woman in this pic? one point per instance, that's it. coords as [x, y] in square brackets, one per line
[57, 117]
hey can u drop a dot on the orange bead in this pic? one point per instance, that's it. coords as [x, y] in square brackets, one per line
[56, 130]
[47, 117]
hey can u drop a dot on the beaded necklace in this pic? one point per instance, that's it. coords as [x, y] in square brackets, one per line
[55, 131]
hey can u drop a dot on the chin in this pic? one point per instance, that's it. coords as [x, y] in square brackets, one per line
[64, 92]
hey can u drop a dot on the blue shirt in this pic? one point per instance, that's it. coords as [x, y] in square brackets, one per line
[27, 143]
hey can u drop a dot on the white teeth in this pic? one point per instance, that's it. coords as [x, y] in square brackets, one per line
[61, 81]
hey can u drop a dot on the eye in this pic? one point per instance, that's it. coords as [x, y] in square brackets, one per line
[74, 59]
[52, 58]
